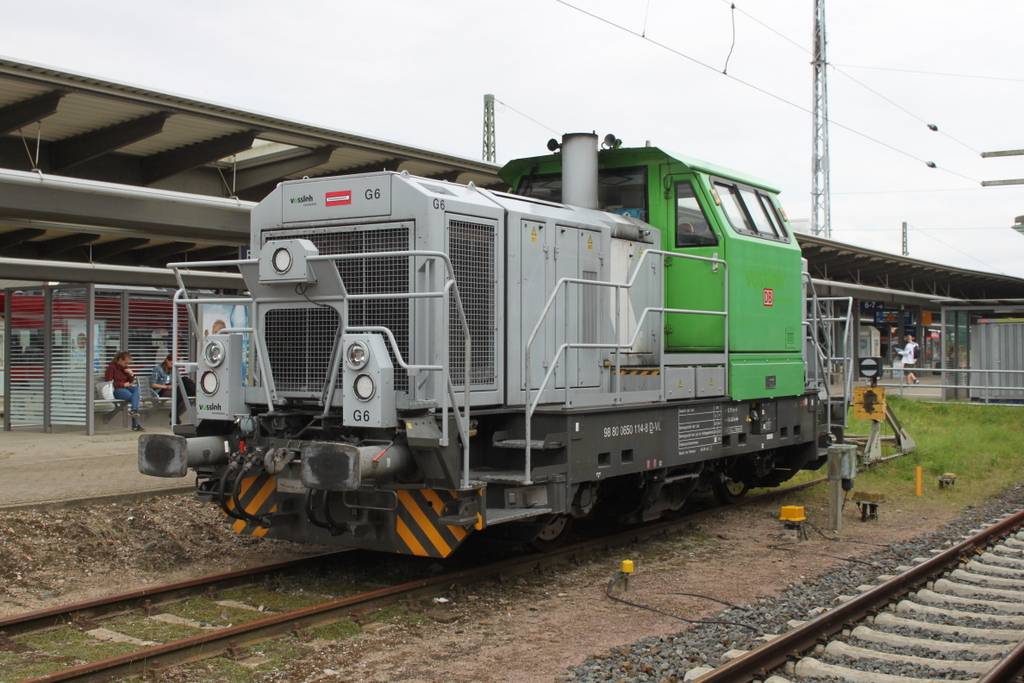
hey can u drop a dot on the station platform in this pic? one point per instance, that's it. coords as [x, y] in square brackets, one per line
[68, 468]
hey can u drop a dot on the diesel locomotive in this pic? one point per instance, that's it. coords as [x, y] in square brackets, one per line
[423, 359]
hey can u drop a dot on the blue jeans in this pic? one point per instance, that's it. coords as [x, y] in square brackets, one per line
[131, 394]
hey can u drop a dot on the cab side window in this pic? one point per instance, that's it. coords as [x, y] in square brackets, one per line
[750, 211]
[692, 229]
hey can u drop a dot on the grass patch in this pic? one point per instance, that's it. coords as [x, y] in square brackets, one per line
[337, 631]
[140, 626]
[220, 669]
[204, 611]
[18, 667]
[275, 601]
[979, 443]
[276, 653]
[73, 646]
[396, 614]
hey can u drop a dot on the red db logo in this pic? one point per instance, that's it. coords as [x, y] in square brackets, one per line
[769, 297]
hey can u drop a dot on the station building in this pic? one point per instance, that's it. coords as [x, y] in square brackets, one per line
[102, 184]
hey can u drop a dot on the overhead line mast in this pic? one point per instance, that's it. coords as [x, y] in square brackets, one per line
[821, 220]
[490, 152]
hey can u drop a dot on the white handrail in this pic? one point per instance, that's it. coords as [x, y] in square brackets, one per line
[618, 286]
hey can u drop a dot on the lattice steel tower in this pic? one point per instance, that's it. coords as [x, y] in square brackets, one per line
[821, 220]
[490, 153]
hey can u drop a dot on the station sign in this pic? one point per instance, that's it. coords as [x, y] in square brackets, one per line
[893, 318]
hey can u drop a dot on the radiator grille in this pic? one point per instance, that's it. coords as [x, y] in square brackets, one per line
[471, 249]
[300, 367]
[382, 275]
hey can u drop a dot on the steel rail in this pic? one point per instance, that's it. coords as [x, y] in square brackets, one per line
[215, 643]
[793, 644]
[58, 616]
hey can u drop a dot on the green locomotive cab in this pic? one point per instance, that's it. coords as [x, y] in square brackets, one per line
[707, 211]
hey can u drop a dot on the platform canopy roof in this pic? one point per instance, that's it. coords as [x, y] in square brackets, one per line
[865, 270]
[101, 172]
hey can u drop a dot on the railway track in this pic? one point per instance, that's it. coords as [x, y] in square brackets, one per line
[237, 598]
[956, 616]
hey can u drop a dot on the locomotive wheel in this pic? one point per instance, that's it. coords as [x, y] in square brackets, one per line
[729, 491]
[553, 534]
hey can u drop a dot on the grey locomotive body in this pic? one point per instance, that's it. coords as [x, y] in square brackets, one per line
[425, 359]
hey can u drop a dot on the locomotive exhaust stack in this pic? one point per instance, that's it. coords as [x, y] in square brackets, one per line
[579, 170]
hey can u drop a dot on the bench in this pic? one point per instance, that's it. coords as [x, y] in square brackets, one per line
[148, 404]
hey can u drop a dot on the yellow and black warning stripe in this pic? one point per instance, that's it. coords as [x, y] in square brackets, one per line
[254, 496]
[416, 522]
[654, 371]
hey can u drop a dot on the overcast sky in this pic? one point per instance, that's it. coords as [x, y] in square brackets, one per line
[416, 71]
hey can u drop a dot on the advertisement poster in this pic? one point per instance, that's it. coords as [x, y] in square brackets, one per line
[214, 318]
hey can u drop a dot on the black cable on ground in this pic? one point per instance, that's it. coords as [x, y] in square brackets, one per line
[622, 575]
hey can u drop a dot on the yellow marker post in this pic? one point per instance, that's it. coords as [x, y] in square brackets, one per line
[920, 481]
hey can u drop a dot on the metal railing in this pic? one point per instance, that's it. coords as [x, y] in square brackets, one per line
[618, 347]
[990, 392]
[820, 323]
[448, 293]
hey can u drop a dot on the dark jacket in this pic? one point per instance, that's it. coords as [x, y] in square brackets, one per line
[119, 375]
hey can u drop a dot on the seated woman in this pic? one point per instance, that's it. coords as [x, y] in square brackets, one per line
[125, 388]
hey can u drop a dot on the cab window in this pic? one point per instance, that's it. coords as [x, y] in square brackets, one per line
[619, 190]
[692, 229]
[750, 211]
[733, 207]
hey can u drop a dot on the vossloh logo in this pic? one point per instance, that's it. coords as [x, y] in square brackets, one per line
[304, 199]
[210, 406]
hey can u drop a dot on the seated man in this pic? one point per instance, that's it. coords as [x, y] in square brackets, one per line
[161, 381]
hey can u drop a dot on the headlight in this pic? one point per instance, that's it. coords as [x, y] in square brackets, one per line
[214, 353]
[282, 260]
[357, 355]
[364, 387]
[209, 383]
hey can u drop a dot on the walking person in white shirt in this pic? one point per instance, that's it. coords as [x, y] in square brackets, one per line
[909, 355]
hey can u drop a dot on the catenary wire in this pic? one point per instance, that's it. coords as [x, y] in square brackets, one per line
[761, 90]
[931, 73]
[946, 244]
[840, 71]
[542, 125]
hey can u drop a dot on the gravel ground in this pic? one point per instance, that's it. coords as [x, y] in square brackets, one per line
[667, 658]
[555, 626]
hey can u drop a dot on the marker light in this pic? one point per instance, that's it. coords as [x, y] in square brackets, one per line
[282, 260]
[364, 387]
[209, 383]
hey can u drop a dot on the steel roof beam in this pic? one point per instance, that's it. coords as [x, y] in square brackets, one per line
[74, 150]
[107, 208]
[391, 164]
[173, 161]
[64, 271]
[105, 250]
[58, 245]
[20, 114]
[15, 237]
[445, 176]
[156, 254]
[219, 253]
[48, 247]
[272, 172]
